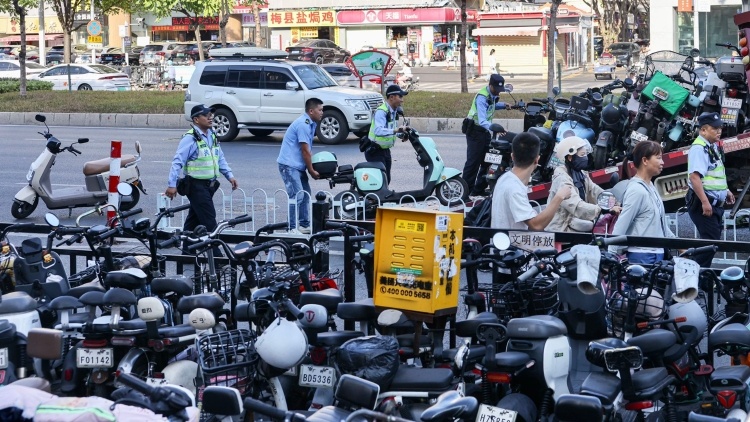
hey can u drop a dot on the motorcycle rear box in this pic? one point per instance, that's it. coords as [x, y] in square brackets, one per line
[418, 260]
[727, 65]
[676, 94]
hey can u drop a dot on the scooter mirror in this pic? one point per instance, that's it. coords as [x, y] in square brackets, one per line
[83, 140]
[138, 147]
[124, 189]
[40, 118]
[508, 87]
[606, 200]
[501, 241]
[556, 91]
[51, 219]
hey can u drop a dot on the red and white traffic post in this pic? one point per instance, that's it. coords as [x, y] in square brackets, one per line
[113, 198]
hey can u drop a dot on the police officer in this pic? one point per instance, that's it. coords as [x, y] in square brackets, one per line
[383, 129]
[201, 160]
[478, 133]
[708, 183]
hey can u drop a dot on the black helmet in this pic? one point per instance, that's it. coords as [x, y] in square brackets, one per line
[611, 115]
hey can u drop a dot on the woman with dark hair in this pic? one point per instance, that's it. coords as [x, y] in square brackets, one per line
[642, 208]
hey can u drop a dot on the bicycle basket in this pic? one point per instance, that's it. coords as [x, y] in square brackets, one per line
[226, 279]
[667, 62]
[537, 296]
[225, 354]
[651, 308]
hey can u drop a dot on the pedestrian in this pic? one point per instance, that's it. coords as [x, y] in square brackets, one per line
[642, 209]
[708, 183]
[295, 157]
[582, 203]
[470, 62]
[510, 204]
[478, 134]
[200, 159]
[492, 63]
[383, 129]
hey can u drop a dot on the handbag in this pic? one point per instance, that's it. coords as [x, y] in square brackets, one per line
[364, 143]
[183, 186]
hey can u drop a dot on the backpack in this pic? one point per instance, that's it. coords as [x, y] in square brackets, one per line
[481, 214]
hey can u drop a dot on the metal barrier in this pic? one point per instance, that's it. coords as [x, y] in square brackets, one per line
[731, 225]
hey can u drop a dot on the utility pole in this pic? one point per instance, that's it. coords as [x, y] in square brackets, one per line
[42, 40]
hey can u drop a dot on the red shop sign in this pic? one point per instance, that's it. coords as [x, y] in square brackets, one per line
[200, 20]
[419, 15]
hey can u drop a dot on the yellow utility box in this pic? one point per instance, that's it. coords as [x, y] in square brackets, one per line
[418, 260]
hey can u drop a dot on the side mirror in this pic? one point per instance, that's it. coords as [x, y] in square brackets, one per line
[51, 219]
[138, 147]
[508, 87]
[292, 86]
[556, 91]
[83, 140]
[40, 75]
[40, 118]
[124, 189]
[501, 241]
[606, 200]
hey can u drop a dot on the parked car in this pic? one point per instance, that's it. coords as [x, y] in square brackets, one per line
[56, 55]
[233, 44]
[269, 94]
[12, 69]
[626, 53]
[317, 51]
[344, 77]
[86, 77]
[156, 53]
[183, 52]
[117, 57]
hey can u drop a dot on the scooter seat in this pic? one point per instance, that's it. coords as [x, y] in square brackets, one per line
[468, 328]
[91, 168]
[176, 331]
[92, 286]
[511, 361]
[92, 298]
[543, 133]
[576, 407]
[649, 384]
[654, 342]
[179, 284]
[329, 414]
[476, 353]
[131, 278]
[370, 165]
[119, 297]
[729, 378]
[447, 405]
[65, 303]
[536, 327]
[604, 386]
[731, 334]
[362, 310]
[211, 301]
[328, 298]
[17, 302]
[410, 378]
[336, 338]
[132, 324]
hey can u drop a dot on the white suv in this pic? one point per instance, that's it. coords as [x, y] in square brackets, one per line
[264, 95]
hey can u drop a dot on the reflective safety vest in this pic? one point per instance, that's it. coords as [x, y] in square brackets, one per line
[206, 164]
[383, 142]
[473, 114]
[716, 179]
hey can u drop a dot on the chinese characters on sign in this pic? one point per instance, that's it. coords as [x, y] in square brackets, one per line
[530, 241]
[296, 18]
[200, 20]
[685, 5]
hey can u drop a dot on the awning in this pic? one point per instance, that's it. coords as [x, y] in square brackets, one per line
[524, 31]
[564, 29]
[29, 37]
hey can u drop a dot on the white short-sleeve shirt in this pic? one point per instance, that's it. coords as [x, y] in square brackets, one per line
[510, 203]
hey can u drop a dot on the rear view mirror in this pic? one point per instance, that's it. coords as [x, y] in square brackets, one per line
[292, 86]
[138, 147]
[40, 118]
[501, 241]
[83, 140]
[508, 87]
[124, 189]
[606, 200]
[51, 219]
[556, 91]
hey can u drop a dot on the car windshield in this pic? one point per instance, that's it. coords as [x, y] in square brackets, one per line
[98, 68]
[314, 76]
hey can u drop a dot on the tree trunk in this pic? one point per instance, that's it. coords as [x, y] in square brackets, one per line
[223, 19]
[66, 47]
[463, 43]
[22, 55]
[256, 36]
[197, 29]
[551, 28]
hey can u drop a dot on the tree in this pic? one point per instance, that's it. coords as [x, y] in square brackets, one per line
[462, 44]
[226, 9]
[551, 30]
[612, 16]
[192, 9]
[17, 9]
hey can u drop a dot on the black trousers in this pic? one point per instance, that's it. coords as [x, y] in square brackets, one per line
[475, 168]
[709, 228]
[380, 155]
[202, 211]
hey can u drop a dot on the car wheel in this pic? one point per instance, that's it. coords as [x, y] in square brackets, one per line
[333, 128]
[261, 132]
[225, 125]
[319, 59]
[84, 87]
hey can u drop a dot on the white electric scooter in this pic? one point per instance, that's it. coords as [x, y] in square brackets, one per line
[97, 180]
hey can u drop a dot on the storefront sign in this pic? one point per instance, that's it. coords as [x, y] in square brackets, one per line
[248, 19]
[391, 16]
[161, 28]
[11, 26]
[298, 18]
[200, 20]
[306, 32]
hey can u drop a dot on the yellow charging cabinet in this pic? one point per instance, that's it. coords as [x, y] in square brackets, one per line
[418, 260]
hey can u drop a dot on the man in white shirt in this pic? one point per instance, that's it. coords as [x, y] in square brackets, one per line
[510, 202]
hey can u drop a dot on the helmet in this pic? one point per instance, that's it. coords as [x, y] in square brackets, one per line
[282, 345]
[569, 146]
[694, 314]
[611, 115]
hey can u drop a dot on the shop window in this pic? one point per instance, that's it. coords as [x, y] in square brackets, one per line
[717, 27]
[684, 29]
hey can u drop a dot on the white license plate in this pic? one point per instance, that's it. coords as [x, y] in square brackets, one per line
[316, 376]
[3, 358]
[94, 358]
[638, 137]
[493, 158]
[731, 102]
[495, 414]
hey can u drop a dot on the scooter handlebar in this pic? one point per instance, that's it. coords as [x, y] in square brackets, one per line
[274, 413]
[168, 243]
[153, 392]
[529, 274]
[239, 220]
[700, 250]
[293, 309]
[608, 241]
[132, 212]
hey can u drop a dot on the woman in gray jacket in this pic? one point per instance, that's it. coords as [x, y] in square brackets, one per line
[643, 211]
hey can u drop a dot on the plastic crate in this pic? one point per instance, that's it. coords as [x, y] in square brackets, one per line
[674, 186]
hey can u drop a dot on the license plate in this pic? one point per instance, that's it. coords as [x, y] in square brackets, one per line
[496, 414]
[638, 137]
[3, 358]
[731, 102]
[493, 158]
[316, 376]
[94, 358]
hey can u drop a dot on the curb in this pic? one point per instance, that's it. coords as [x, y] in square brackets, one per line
[177, 121]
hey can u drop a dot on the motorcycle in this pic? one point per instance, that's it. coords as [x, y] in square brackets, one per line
[369, 186]
[96, 176]
[613, 124]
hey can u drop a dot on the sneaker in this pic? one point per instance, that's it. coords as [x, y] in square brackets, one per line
[304, 230]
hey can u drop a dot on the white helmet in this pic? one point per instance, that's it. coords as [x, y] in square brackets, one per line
[569, 146]
[693, 312]
[282, 345]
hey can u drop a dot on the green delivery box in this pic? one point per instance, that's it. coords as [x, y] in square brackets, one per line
[671, 95]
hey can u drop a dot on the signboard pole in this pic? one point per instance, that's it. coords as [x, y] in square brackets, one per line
[42, 44]
[93, 49]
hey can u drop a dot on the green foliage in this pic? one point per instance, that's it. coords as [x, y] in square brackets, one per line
[14, 85]
[163, 8]
[6, 6]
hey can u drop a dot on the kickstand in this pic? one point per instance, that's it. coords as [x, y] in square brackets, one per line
[70, 212]
[738, 199]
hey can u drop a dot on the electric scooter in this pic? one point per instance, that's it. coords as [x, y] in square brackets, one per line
[96, 175]
[369, 185]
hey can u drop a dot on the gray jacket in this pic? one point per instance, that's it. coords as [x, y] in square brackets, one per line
[575, 206]
[640, 213]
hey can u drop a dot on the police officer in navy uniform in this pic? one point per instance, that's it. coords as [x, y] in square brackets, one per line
[200, 158]
[478, 134]
[708, 183]
[383, 129]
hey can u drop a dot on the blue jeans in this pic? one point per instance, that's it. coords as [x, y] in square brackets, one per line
[644, 258]
[296, 181]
